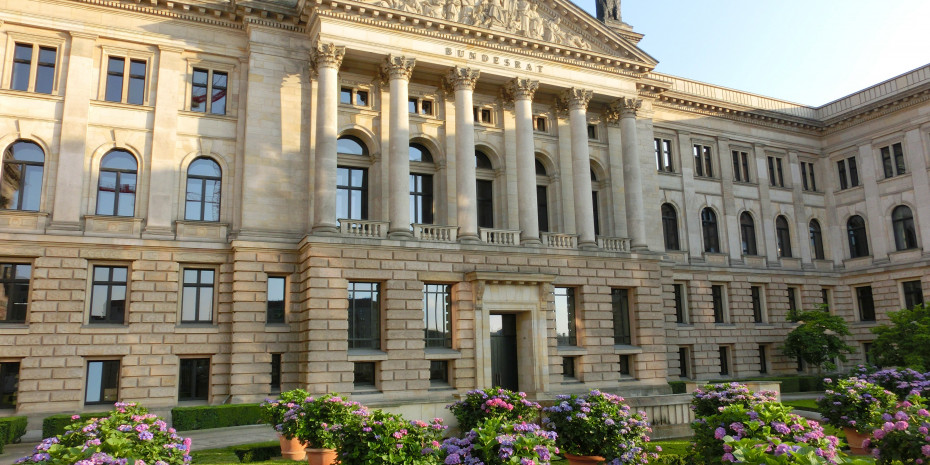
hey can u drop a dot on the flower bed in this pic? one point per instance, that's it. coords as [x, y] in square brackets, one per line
[381, 437]
[904, 434]
[497, 442]
[853, 402]
[902, 382]
[479, 405]
[711, 398]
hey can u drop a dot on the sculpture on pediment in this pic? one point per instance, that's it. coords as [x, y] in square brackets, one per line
[453, 9]
[494, 13]
[434, 8]
[554, 32]
[608, 10]
[535, 24]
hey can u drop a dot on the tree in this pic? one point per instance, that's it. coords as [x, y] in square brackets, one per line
[906, 342]
[818, 340]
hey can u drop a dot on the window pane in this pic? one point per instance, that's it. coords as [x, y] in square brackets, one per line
[22, 64]
[114, 90]
[45, 73]
[621, 316]
[436, 315]
[189, 304]
[565, 316]
[32, 190]
[94, 382]
[204, 167]
[412, 105]
[9, 384]
[98, 305]
[275, 299]
[206, 305]
[345, 96]
[361, 98]
[211, 210]
[127, 195]
[199, 91]
[136, 82]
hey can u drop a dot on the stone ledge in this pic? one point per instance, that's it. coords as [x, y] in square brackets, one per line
[112, 226]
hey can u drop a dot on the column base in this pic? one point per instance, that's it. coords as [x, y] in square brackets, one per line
[530, 242]
[325, 230]
[639, 247]
[470, 239]
[400, 234]
[590, 245]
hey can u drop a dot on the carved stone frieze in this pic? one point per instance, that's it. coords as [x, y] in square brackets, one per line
[397, 67]
[519, 89]
[460, 77]
[327, 56]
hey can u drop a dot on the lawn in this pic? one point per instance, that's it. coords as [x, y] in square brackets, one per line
[802, 404]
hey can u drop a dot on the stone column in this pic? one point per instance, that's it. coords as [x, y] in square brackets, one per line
[577, 102]
[161, 205]
[626, 109]
[397, 70]
[463, 80]
[521, 91]
[326, 59]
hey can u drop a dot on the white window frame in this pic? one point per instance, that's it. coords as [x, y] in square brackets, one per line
[127, 55]
[14, 37]
[211, 66]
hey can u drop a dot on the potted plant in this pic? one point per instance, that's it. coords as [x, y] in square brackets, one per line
[851, 404]
[496, 442]
[479, 405]
[598, 427]
[321, 420]
[283, 415]
[370, 437]
[903, 434]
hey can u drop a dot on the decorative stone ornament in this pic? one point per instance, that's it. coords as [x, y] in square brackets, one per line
[622, 107]
[397, 67]
[520, 89]
[327, 56]
[575, 98]
[462, 78]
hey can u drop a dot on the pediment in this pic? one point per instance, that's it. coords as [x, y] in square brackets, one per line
[558, 23]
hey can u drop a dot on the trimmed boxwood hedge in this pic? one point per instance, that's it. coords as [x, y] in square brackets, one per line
[258, 452]
[215, 416]
[4, 433]
[11, 430]
[56, 424]
[789, 384]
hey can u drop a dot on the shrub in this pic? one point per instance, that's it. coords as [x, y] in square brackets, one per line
[500, 403]
[904, 435]
[818, 340]
[215, 416]
[259, 452]
[317, 418]
[598, 423]
[381, 437]
[273, 411]
[496, 441]
[852, 403]
[777, 452]
[57, 424]
[902, 382]
[127, 433]
[906, 341]
[4, 432]
[710, 398]
[16, 428]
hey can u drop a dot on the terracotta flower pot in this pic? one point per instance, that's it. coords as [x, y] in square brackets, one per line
[583, 459]
[292, 449]
[321, 456]
[855, 439]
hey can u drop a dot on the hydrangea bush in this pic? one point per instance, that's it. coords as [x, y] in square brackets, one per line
[129, 435]
[710, 398]
[480, 405]
[853, 402]
[496, 442]
[902, 382]
[379, 437]
[599, 424]
[902, 435]
[283, 413]
[318, 419]
[777, 452]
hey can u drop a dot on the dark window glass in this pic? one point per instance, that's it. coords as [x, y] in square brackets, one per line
[486, 116]
[724, 361]
[663, 148]
[275, 372]
[218, 93]
[194, 379]
[568, 367]
[867, 349]
[542, 208]
[352, 193]
[485, 203]
[898, 152]
[45, 71]
[683, 362]
[364, 316]
[792, 298]
[22, 66]
[597, 215]
[810, 171]
[737, 175]
[439, 372]
[708, 167]
[21, 181]
[197, 296]
[763, 362]
[426, 107]
[14, 292]
[698, 161]
[626, 368]
[886, 162]
[913, 293]
[902, 223]
[345, 96]
[670, 227]
[716, 292]
[782, 237]
[858, 241]
[350, 145]
[437, 315]
[741, 166]
[116, 187]
[199, 86]
[804, 182]
[800, 366]
[592, 132]
[841, 171]
[421, 198]
[364, 375]
[540, 168]
[276, 298]
[866, 303]
[565, 316]
[9, 384]
[539, 123]
[816, 240]
[412, 105]
[679, 291]
[620, 303]
[709, 228]
[747, 229]
[108, 294]
[482, 162]
[418, 152]
[361, 98]
[102, 382]
[204, 184]
[825, 298]
[755, 293]
[853, 172]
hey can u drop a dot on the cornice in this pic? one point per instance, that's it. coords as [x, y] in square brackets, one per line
[877, 109]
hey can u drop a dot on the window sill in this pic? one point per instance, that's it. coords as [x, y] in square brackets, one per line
[905, 255]
[200, 114]
[764, 324]
[204, 328]
[849, 189]
[201, 230]
[865, 323]
[725, 324]
[781, 188]
[570, 351]
[105, 328]
[627, 378]
[669, 173]
[439, 353]
[904, 175]
[706, 178]
[685, 326]
[127, 106]
[32, 94]
[440, 386]
[113, 226]
[14, 328]
[627, 350]
[745, 183]
[858, 262]
[367, 355]
[277, 328]
[23, 221]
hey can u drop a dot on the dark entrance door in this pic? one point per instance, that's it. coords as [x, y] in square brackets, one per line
[504, 351]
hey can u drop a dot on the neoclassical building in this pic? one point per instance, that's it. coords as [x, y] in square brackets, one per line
[210, 201]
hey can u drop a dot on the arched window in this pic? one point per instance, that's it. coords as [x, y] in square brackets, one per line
[116, 188]
[204, 183]
[858, 240]
[709, 228]
[21, 182]
[595, 204]
[421, 185]
[670, 227]
[782, 237]
[542, 196]
[351, 180]
[816, 240]
[902, 222]
[747, 229]
[484, 190]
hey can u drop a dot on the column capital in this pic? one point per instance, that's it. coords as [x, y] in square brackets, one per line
[460, 78]
[623, 107]
[327, 56]
[575, 98]
[397, 67]
[520, 89]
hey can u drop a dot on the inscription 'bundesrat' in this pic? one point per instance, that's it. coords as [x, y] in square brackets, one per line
[485, 58]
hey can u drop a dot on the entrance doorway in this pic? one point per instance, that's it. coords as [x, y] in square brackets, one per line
[504, 351]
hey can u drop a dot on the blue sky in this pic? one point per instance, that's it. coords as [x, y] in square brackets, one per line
[805, 51]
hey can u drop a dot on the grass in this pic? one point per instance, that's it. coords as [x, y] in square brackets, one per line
[802, 404]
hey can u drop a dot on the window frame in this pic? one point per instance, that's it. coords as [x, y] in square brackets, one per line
[119, 174]
[364, 386]
[703, 156]
[816, 238]
[446, 340]
[203, 189]
[128, 56]
[757, 298]
[741, 166]
[357, 340]
[724, 353]
[905, 292]
[109, 284]
[858, 238]
[721, 311]
[480, 110]
[680, 299]
[865, 303]
[192, 371]
[794, 303]
[105, 363]
[776, 171]
[893, 160]
[708, 222]
[623, 333]
[783, 247]
[439, 366]
[285, 300]
[763, 359]
[354, 92]
[670, 233]
[210, 67]
[422, 186]
[277, 370]
[6, 366]
[418, 102]
[570, 339]
[747, 233]
[904, 229]
[198, 286]
[808, 177]
[25, 164]
[36, 41]
[537, 119]
[14, 281]
[684, 362]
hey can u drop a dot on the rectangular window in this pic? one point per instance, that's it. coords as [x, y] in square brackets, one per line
[866, 303]
[853, 172]
[108, 294]
[626, 368]
[620, 301]
[197, 297]
[702, 161]
[194, 379]
[758, 314]
[14, 291]
[825, 298]
[115, 70]
[421, 198]
[39, 79]
[361, 98]
[351, 193]
[437, 315]
[716, 292]
[542, 208]
[592, 132]
[125, 80]
[352, 96]
[808, 180]
[345, 95]
[412, 105]
[683, 362]
[419, 106]
[484, 200]
[426, 107]
[539, 124]
[681, 309]
[22, 66]
[483, 115]
[364, 376]
[776, 173]
[9, 384]
[565, 316]
[724, 353]
[763, 362]
[741, 166]
[568, 368]
[663, 148]
[364, 316]
[793, 299]
[275, 372]
[439, 372]
[841, 172]
[277, 286]
[208, 91]
[913, 293]
[102, 382]
[893, 160]
[800, 366]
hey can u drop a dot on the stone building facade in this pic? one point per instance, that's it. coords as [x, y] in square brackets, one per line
[211, 201]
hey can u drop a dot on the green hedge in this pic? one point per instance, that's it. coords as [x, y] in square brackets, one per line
[16, 428]
[258, 452]
[55, 425]
[789, 384]
[215, 416]
[678, 387]
[4, 433]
